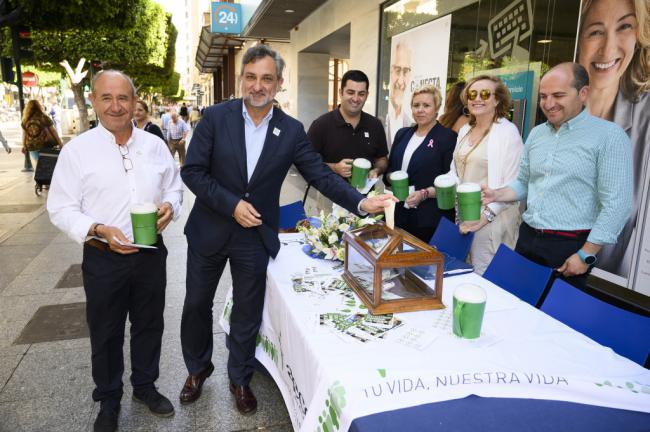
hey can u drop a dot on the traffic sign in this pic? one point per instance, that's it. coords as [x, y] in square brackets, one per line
[30, 79]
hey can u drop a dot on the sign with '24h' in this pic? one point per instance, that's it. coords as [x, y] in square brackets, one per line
[226, 18]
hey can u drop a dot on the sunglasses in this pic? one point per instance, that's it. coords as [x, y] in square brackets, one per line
[485, 94]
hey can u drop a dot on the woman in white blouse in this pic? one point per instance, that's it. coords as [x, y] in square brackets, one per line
[487, 152]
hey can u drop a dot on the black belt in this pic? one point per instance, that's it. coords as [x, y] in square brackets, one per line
[98, 245]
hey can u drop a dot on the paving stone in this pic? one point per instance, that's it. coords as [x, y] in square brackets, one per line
[218, 412]
[24, 285]
[7, 366]
[52, 414]
[19, 208]
[56, 374]
[56, 322]
[72, 277]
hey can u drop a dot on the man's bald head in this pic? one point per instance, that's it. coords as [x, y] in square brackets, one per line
[112, 73]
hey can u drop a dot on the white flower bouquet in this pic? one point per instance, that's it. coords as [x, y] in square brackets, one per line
[324, 234]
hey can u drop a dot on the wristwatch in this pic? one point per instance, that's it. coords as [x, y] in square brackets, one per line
[587, 259]
[489, 215]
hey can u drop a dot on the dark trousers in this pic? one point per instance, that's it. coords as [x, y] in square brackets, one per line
[551, 250]
[248, 262]
[117, 285]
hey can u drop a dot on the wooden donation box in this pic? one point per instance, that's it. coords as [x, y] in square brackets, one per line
[392, 271]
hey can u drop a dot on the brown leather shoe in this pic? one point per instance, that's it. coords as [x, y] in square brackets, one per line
[193, 384]
[244, 399]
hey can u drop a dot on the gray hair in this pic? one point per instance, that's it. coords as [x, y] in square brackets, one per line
[260, 51]
[114, 72]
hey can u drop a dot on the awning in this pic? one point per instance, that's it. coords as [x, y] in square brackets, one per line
[212, 47]
[274, 19]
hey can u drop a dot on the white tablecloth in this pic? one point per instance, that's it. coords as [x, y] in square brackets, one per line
[329, 378]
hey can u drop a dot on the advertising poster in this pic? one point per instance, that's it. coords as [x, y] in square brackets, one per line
[619, 92]
[417, 57]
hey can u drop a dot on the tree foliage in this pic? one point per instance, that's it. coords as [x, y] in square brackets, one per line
[144, 44]
[64, 14]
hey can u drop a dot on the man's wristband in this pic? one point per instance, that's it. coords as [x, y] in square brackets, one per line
[97, 225]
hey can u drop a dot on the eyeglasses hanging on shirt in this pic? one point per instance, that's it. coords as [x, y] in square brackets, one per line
[126, 162]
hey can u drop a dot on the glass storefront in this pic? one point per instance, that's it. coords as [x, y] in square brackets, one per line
[516, 39]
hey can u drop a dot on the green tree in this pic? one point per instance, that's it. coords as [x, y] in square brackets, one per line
[139, 49]
[65, 14]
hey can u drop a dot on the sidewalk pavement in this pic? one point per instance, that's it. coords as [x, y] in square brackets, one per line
[46, 386]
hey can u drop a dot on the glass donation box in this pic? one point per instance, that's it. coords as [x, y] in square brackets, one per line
[392, 271]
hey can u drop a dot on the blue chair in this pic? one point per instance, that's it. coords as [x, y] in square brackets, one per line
[627, 333]
[448, 239]
[518, 275]
[290, 214]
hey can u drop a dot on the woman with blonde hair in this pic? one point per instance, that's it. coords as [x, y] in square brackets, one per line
[614, 47]
[424, 151]
[38, 130]
[488, 151]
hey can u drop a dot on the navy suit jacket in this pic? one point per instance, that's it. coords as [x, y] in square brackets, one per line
[215, 171]
[432, 158]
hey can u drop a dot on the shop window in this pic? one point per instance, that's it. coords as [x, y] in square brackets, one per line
[516, 39]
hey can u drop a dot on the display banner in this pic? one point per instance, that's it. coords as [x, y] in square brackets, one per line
[333, 362]
[618, 91]
[418, 57]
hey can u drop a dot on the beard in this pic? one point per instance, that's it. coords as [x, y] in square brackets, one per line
[259, 102]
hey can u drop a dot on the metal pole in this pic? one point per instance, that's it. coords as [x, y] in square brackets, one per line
[19, 83]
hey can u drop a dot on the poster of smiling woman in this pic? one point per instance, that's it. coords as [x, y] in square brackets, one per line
[614, 47]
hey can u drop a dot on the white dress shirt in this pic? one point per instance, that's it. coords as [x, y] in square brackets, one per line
[90, 183]
[255, 137]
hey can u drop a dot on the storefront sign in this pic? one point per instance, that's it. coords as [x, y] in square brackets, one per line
[226, 18]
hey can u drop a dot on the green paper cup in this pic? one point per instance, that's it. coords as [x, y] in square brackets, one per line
[399, 181]
[469, 202]
[143, 221]
[360, 168]
[469, 307]
[445, 191]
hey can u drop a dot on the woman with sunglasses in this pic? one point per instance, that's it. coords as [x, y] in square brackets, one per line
[487, 152]
[424, 151]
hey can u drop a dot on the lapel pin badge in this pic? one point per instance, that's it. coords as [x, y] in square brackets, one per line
[366, 134]
[430, 145]
[276, 131]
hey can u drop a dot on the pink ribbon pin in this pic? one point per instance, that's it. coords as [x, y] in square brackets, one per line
[430, 145]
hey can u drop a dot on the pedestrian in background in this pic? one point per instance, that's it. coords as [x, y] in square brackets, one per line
[164, 119]
[5, 144]
[141, 119]
[184, 113]
[176, 133]
[195, 116]
[38, 130]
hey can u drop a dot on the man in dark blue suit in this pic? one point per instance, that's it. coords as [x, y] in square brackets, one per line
[238, 158]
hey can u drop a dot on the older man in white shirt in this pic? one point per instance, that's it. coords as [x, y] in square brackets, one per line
[99, 175]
